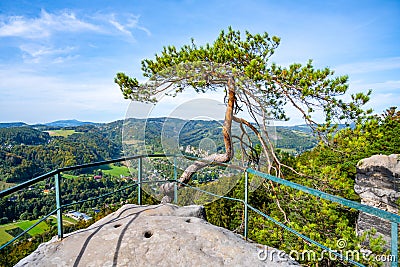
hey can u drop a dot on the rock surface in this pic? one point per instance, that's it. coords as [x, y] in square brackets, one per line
[378, 185]
[159, 235]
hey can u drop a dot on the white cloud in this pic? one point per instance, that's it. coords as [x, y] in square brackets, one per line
[34, 53]
[120, 27]
[380, 64]
[125, 23]
[44, 37]
[67, 21]
[133, 23]
[44, 25]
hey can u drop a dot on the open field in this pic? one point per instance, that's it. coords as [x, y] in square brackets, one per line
[38, 229]
[66, 220]
[63, 133]
[110, 169]
[115, 171]
[4, 236]
[69, 176]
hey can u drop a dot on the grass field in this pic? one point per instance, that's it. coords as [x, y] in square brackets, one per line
[38, 229]
[4, 236]
[115, 171]
[63, 133]
[110, 169]
[68, 220]
[69, 176]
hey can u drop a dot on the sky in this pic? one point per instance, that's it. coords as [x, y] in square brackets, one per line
[58, 59]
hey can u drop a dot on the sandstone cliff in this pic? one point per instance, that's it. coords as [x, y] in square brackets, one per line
[377, 183]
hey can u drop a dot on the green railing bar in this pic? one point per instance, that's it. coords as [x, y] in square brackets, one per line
[57, 181]
[175, 184]
[139, 180]
[394, 244]
[349, 203]
[246, 201]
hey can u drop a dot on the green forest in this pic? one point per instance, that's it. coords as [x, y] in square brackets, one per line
[321, 154]
[27, 152]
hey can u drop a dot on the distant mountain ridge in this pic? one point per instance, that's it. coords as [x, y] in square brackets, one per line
[58, 123]
[67, 123]
[293, 139]
[12, 124]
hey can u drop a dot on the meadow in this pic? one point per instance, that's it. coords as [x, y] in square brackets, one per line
[4, 236]
[63, 133]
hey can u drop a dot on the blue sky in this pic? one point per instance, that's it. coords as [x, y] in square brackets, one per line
[58, 59]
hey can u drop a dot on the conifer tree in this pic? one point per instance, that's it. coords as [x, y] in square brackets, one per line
[240, 65]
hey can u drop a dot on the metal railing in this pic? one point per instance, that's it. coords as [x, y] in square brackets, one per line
[393, 218]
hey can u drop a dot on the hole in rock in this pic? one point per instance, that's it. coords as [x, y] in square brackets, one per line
[148, 234]
[188, 221]
[117, 225]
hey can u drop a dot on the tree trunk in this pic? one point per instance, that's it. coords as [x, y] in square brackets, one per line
[168, 188]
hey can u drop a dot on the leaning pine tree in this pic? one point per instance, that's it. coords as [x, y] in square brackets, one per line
[240, 66]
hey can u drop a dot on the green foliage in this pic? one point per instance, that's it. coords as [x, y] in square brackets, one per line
[20, 162]
[261, 87]
[115, 171]
[332, 170]
[22, 135]
[329, 169]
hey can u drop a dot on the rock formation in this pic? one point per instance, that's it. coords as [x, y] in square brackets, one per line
[159, 235]
[377, 183]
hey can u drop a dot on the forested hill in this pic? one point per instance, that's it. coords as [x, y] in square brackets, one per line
[12, 124]
[292, 139]
[29, 151]
[26, 152]
[22, 135]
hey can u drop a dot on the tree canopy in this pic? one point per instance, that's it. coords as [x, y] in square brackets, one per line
[240, 65]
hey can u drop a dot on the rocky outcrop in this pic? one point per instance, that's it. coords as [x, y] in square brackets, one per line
[159, 235]
[378, 184]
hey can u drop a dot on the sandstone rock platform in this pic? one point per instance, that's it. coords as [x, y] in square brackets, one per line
[157, 235]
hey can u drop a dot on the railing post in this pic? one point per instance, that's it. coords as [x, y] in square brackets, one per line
[394, 244]
[246, 181]
[140, 169]
[176, 184]
[60, 232]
